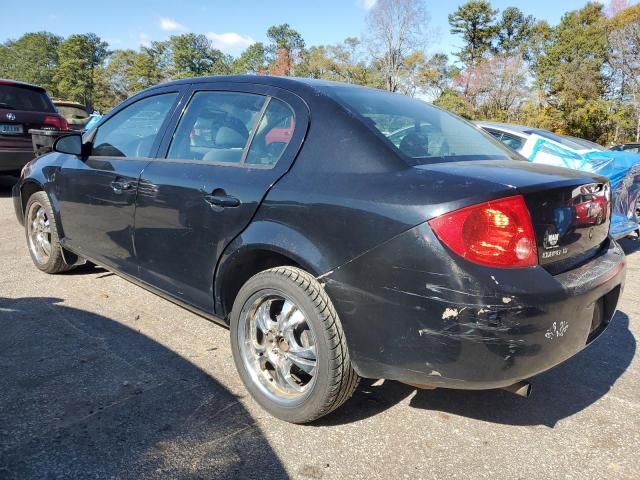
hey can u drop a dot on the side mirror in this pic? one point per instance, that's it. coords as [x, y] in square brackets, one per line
[70, 144]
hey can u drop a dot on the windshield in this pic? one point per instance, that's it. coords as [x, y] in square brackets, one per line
[420, 132]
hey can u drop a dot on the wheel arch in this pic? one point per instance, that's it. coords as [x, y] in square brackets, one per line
[261, 246]
[27, 189]
[32, 185]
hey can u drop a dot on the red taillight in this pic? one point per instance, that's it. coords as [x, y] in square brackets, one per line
[498, 233]
[55, 121]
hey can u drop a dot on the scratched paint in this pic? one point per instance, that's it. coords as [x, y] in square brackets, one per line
[557, 330]
[449, 313]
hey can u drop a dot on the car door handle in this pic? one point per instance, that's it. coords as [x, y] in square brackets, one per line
[121, 185]
[223, 201]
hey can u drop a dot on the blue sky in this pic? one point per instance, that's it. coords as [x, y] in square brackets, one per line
[232, 25]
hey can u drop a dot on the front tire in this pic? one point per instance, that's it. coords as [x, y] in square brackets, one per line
[289, 347]
[42, 235]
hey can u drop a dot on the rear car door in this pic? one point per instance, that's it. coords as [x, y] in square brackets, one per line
[231, 144]
[97, 194]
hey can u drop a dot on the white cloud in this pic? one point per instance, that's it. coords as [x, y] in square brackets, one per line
[230, 42]
[367, 4]
[170, 25]
[144, 39]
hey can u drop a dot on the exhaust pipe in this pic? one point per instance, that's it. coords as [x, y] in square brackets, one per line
[522, 389]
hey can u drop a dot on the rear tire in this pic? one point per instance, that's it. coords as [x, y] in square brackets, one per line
[42, 235]
[289, 347]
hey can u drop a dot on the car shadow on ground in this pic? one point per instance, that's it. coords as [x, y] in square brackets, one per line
[82, 396]
[89, 268]
[557, 394]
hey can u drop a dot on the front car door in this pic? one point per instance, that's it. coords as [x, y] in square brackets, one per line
[97, 194]
[231, 144]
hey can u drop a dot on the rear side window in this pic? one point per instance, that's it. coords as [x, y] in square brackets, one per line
[13, 97]
[494, 133]
[216, 127]
[273, 134]
[133, 130]
[420, 132]
[512, 141]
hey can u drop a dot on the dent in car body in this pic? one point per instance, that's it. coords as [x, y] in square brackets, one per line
[463, 328]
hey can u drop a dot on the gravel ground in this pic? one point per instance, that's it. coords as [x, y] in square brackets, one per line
[101, 379]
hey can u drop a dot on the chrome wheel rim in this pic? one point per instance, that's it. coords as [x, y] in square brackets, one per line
[278, 347]
[39, 233]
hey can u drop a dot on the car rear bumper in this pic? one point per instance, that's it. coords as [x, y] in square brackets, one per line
[414, 313]
[12, 160]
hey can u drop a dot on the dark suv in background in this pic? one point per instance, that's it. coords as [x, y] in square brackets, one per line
[23, 107]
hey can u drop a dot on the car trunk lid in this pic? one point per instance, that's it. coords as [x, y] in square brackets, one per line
[570, 210]
[571, 220]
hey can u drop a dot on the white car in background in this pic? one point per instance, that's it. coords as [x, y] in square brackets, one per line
[622, 168]
[541, 146]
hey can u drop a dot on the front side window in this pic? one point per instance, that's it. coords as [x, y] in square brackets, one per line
[216, 127]
[132, 131]
[420, 132]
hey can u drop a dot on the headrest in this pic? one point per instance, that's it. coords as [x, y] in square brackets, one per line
[227, 137]
[415, 144]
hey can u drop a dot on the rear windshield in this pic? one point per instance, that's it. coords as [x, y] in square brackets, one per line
[587, 143]
[564, 141]
[420, 132]
[73, 115]
[13, 97]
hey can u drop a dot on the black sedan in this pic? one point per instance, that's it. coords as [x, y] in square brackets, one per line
[340, 232]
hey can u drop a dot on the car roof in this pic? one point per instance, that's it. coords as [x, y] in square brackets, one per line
[16, 83]
[507, 127]
[294, 84]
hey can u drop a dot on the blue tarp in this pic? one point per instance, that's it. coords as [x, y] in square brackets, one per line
[94, 119]
[621, 168]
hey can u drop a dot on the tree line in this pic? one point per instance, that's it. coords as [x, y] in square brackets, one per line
[580, 77]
